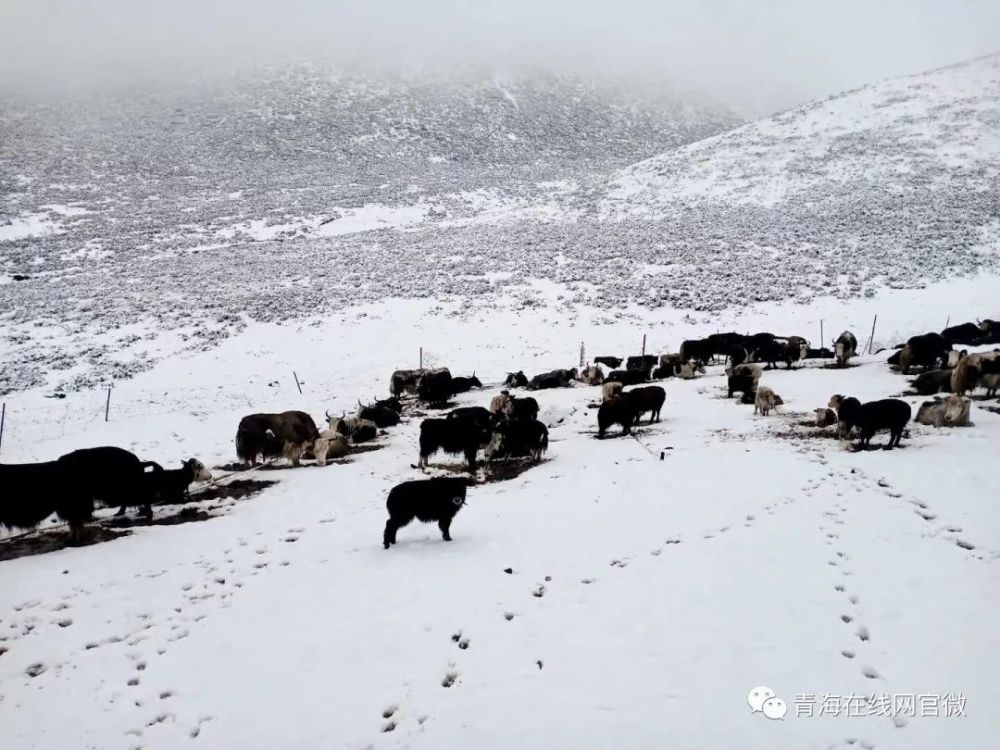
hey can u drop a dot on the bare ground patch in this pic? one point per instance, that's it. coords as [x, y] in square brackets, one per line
[52, 540]
[212, 503]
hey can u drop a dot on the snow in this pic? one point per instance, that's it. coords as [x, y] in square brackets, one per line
[646, 596]
[329, 228]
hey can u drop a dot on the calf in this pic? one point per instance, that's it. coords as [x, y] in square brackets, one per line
[764, 401]
[951, 411]
[592, 375]
[171, 485]
[427, 500]
[626, 377]
[458, 435]
[690, 370]
[522, 408]
[620, 410]
[745, 384]
[649, 398]
[610, 390]
[518, 437]
[825, 417]
[482, 416]
[885, 414]
[848, 406]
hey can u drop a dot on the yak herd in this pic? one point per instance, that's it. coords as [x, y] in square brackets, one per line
[74, 484]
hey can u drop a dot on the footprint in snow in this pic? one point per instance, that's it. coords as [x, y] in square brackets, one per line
[862, 633]
[390, 711]
[449, 679]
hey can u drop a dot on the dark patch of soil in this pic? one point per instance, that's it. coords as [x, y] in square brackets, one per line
[40, 542]
[234, 490]
[107, 529]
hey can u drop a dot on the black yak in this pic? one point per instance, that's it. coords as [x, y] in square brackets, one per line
[518, 437]
[478, 414]
[463, 384]
[289, 434]
[521, 408]
[435, 388]
[610, 362]
[649, 398]
[427, 500]
[885, 414]
[626, 377]
[33, 492]
[620, 410]
[456, 435]
[171, 485]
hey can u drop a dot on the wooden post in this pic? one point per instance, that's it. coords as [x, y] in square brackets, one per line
[3, 418]
[947, 322]
[582, 360]
[421, 358]
[643, 345]
[822, 341]
[871, 338]
[107, 405]
[297, 383]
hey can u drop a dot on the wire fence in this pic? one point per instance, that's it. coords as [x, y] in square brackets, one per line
[25, 423]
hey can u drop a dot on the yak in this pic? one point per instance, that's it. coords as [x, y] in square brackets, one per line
[427, 500]
[271, 435]
[648, 398]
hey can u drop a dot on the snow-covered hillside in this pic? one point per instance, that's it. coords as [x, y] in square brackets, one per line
[258, 196]
[937, 131]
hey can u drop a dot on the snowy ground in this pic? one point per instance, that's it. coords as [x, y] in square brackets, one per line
[646, 597]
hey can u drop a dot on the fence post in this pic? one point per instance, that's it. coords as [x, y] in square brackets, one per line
[3, 418]
[297, 383]
[421, 358]
[822, 341]
[871, 338]
[947, 322]
[107, 405]
[644, 345]
[582, 360]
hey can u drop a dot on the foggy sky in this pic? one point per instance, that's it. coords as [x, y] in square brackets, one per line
[759, 55]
